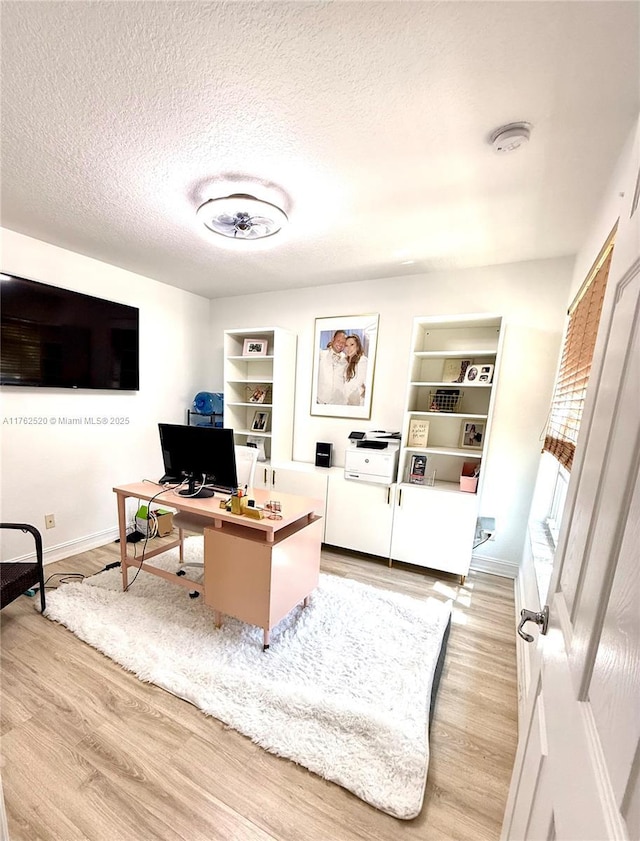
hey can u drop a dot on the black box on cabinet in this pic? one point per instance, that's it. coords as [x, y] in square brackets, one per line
[323, 454]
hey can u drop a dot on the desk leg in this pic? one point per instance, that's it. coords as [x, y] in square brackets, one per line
[265, 642]
[122, 528]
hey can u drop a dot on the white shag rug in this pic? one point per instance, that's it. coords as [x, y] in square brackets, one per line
[344, 689]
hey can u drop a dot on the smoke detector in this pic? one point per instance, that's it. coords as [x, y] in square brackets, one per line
[510, 137]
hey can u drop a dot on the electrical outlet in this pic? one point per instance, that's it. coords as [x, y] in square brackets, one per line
[486, 528]
[50, 521]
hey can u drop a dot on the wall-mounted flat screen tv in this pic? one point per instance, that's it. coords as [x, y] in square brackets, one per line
[56, 338]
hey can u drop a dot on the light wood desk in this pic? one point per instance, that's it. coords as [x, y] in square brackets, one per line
[254, 570]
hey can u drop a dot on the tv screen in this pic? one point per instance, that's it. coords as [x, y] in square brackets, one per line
[205, 456]
[56, 338]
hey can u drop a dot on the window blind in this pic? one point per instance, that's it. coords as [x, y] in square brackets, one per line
[575, 365]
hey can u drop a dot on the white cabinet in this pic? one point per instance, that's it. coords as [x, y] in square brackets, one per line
[263, 476]
[302, 479]
[259, 389]
[359, 515]
[297, 478]
[434, 528]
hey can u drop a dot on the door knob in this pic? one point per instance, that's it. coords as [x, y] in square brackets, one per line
[541, 619]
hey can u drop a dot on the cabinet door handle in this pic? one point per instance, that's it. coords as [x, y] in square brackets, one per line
[388, 495]
[400, 498]
[265, 476]
[273, 478]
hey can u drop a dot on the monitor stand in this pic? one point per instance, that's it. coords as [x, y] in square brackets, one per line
[196, 493]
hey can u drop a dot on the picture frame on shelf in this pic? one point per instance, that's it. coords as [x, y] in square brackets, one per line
[471, 374]
[472, 434]
[260, 422]
[344, 352]
[418, 433]
[454, 370]
[478, 374]
[255, 347]
[258, 394]
[417, 469]
[486, 374]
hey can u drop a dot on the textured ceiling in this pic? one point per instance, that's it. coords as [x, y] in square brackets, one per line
[367, 121]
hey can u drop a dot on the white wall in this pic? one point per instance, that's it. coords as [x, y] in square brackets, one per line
[67, 470]
[615, 203]
[614, 207]
[532, 298]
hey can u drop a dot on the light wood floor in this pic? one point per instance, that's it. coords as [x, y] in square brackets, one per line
[90, 752]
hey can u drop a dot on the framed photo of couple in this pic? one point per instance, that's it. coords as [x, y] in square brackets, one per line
[344, 353]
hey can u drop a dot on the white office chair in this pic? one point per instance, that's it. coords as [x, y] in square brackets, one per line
[246, 459]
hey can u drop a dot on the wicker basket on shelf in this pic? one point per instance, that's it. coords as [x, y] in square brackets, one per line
[445, 400]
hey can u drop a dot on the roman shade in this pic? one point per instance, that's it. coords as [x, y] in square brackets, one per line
[575, 365]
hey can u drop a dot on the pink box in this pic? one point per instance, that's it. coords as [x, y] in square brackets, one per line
[469, 482]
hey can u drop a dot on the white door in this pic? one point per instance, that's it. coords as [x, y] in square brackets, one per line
[434, 528]
[359, 515]
[577, 769]
[262, 478]
[302, 480]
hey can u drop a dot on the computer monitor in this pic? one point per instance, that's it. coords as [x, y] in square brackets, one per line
[194, 452]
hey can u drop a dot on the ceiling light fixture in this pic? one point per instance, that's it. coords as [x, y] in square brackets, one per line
[510, 137]
[240, 216]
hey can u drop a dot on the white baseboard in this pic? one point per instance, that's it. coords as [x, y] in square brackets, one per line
[72, 547]
[495, 566]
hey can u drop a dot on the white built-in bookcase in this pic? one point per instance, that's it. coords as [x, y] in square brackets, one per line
[434, 523]
[275, 374]
[436, 339]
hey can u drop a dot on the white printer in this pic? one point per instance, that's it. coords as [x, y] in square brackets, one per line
[372, 456]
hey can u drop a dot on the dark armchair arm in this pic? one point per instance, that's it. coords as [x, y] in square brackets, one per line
[17, 577]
